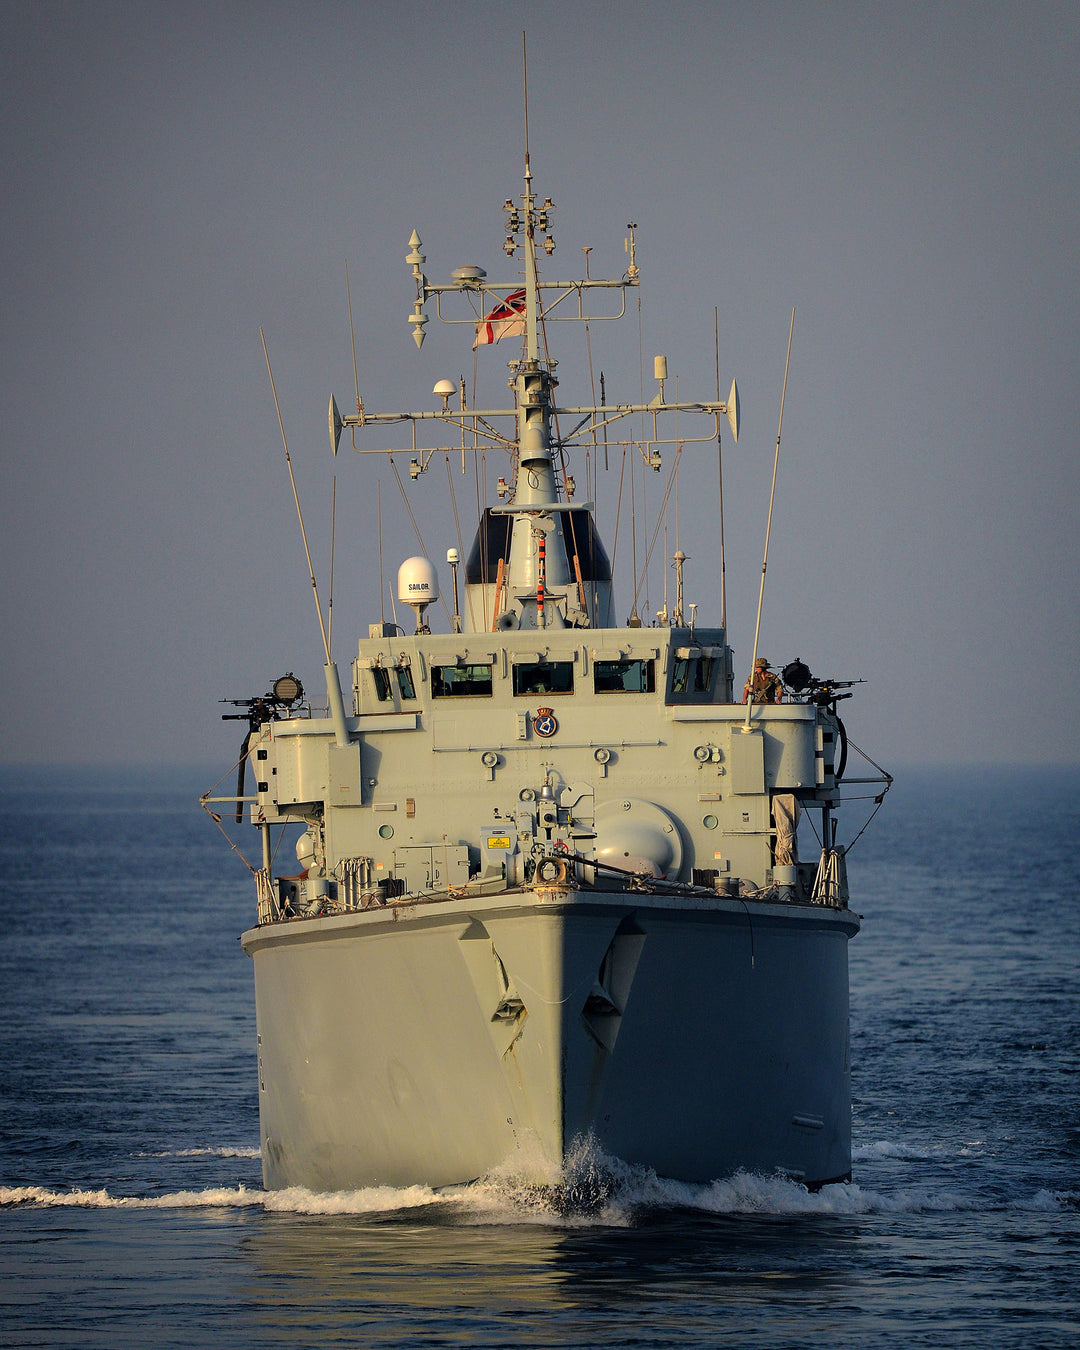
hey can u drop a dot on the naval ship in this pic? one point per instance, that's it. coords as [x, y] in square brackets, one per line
[549, 886]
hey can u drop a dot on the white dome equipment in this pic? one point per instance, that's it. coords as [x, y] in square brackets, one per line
[445, 389]
[418, 585]
[468, 277]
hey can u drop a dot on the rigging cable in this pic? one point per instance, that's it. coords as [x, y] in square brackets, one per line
[453, 503]
[416, 529]
[618, 511]
[661, 514]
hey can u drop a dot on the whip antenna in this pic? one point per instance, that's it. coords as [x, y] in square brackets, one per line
[296, 499]
[768, 524]
[720, 465]
[330, 598]
[335, 704]
[352, 339]
[382, 593]
[525, 99]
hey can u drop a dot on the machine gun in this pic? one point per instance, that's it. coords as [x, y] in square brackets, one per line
[264, 708]
[805, 688]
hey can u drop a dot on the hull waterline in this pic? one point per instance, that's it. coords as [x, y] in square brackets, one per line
[432, 1046]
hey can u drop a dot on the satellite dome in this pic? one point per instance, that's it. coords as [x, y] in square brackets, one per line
[417, 581]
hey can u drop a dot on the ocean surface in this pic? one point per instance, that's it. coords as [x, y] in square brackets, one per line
[131, 1208]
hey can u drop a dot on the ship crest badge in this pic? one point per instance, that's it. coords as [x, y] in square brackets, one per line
[544, 723]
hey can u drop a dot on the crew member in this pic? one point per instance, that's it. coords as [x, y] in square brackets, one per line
[763, 686]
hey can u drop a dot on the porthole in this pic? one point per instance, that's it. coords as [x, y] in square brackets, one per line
[710, 822]
[386, 831]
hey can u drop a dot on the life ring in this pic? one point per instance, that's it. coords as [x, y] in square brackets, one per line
[553, 871]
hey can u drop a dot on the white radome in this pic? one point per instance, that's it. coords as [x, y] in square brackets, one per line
[417, 581]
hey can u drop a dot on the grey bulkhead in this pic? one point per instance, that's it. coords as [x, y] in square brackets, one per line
[436, 1040]
[450, 773]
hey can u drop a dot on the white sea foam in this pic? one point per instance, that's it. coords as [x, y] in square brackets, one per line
[592, 1189]
[1044, 1201]
[371, 1200]
[213, 1197]
[238, 1151]
[885, 1148]
[596, 1188]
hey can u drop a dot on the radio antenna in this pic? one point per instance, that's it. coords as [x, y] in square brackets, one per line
[382, 592]
[768, 525]
[335, 703]
[296, 499]
[330, 600]
[720, 465]
[525, 97]
[352, 339]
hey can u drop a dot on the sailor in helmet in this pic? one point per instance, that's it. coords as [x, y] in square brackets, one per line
[763, 686]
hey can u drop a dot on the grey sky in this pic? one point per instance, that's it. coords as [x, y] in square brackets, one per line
[176, 175]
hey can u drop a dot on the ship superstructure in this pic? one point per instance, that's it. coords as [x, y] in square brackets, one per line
[549, 885]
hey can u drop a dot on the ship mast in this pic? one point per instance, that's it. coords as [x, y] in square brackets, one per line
[533, 568]
[540, 585]
[532, 289]
[533, 382]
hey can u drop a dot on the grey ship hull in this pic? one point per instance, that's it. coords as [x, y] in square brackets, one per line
[455, 981]
[431, 1043]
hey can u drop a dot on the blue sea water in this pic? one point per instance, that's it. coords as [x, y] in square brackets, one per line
[131, 1210]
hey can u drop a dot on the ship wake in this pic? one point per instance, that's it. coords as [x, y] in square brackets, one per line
[591, 1189]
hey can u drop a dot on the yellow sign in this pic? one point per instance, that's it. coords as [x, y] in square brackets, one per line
[498, 841]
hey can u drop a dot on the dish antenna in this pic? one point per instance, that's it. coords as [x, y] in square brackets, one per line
[335, 426]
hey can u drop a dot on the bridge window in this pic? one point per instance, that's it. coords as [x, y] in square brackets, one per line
[383, 686]
[405, 682]
[544, 677]
[461, 681]
[621, 677]
[693, 676]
